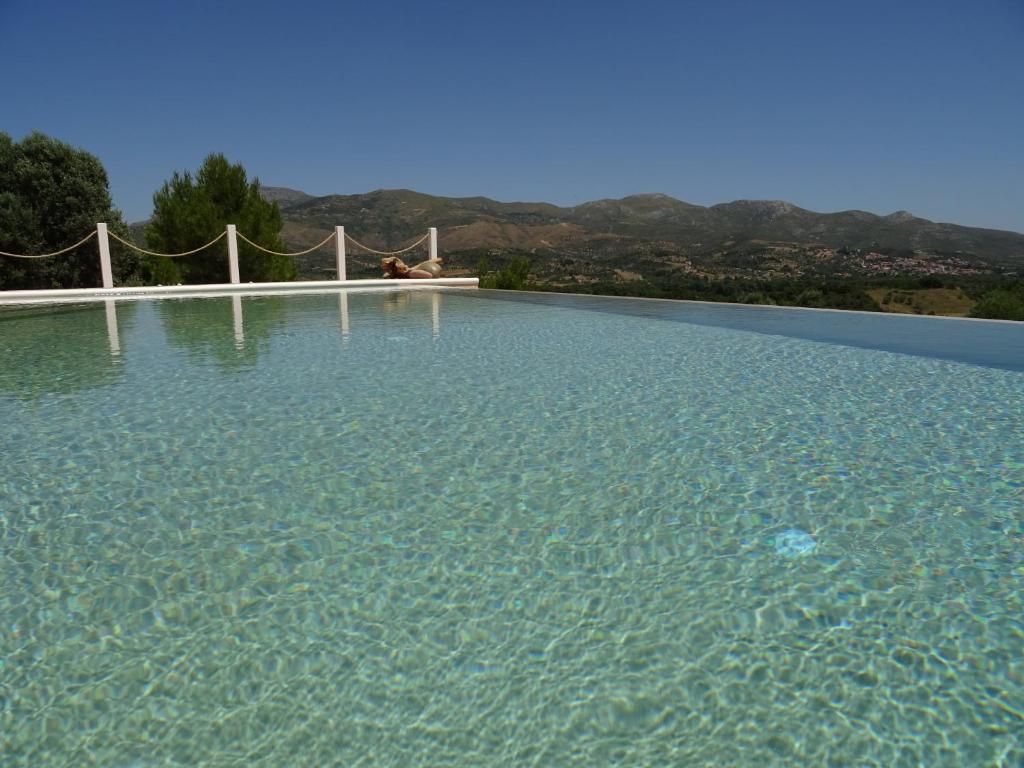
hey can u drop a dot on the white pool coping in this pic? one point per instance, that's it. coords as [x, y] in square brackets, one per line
[61, 295]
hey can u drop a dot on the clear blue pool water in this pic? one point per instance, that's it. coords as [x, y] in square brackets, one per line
[443, 529]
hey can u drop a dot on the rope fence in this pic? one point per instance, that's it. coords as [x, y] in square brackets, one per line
[134, 247]
[84, 240]
[259, 247]
[386, 253]
[339, 236]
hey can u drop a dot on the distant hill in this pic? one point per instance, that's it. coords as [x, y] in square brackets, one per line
[647, 235]
[283, 196]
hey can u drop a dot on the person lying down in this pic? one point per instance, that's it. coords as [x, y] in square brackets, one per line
[395, 267]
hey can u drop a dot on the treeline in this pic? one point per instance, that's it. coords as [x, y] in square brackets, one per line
[783, 292]
[1004, 303]
[53, 194]
[998, 298]
[994, 296]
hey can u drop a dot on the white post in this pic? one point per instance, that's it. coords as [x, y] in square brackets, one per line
[433, 243]
[233, 254]
[339, 251]
[105, 271]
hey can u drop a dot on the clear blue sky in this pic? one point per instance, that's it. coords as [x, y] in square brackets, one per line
[912, 104]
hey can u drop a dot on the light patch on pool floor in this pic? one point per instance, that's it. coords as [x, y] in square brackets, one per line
[794, 543]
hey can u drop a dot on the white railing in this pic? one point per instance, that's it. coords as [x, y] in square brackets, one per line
[339, 237]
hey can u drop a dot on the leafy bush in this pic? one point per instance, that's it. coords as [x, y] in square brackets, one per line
[1001, 304]
[52, 195]
[511, 278]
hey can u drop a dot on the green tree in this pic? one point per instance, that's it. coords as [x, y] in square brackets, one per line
[52, 195]
[511, 278]
[188, 212]
[1001, 304]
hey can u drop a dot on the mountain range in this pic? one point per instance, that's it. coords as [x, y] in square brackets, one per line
[643, 236]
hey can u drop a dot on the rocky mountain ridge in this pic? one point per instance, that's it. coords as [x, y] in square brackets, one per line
[647, 234]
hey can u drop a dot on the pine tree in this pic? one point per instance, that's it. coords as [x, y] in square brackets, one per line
[188, 212]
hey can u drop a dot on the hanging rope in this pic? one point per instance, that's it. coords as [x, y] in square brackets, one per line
[278, 253]
[133, 246]
[385, 253]
[55, 253]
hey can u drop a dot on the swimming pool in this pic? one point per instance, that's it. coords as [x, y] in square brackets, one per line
[442, 529]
